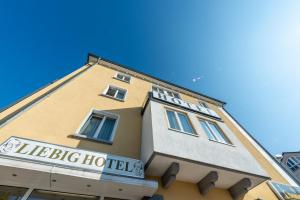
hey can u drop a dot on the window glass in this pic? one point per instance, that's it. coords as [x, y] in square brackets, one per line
[11, 193]
[213, 131]
[207, 131]
[116, 93]
[111, 91]
[107, 129]
[127, 78]
[119, 76]
[99, 127]
[218, 132]
[91, 126]
[172, 120]
[185, 123]
[179, 121]
[123, 77]
[120, 94]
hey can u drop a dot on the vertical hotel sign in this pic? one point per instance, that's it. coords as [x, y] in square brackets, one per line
[75, 158]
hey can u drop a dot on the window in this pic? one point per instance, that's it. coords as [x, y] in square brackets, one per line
[179, 121]
[9, 192]
[166, 92]
[213, 131]
[99, 126]
[293, 163]
[123, 77]
[116, 93]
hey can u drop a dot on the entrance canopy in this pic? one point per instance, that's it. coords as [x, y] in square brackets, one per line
[20, 173]
[38, 165]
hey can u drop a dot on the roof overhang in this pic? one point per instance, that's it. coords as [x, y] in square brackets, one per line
[92, 58]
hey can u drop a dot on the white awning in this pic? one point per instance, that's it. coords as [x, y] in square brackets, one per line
[32, 174]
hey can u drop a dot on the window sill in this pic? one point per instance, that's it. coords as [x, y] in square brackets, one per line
[122, 80]
[76, 135]
[112, 97]
[222, 142]
[186, 133]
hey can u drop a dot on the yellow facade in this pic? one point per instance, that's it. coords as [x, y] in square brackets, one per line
[56, 118]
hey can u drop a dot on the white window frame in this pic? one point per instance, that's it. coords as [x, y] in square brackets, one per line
[228, 141]
[124, 75]
[104, 115]
[166, 91]
[115, 96]
[194, 133]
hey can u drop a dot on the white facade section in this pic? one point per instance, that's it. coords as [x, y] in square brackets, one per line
[194, 148]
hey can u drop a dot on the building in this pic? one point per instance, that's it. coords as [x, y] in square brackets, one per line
[291, 161]
[108, 132]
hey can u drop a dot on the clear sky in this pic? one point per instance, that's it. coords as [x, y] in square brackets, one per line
[246, 53]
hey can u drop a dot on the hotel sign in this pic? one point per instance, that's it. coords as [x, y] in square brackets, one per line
[179, 102]
[75, 158]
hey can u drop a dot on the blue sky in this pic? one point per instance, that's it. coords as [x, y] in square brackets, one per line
[246, 53]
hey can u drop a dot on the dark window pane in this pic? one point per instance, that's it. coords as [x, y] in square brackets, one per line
[119, 76]
[91, 126]
[11, 193]
[127, 78]
[111, 92]
[107, 129]
[120, 94]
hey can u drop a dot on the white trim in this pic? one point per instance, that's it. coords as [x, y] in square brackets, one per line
[123, 74]
[262, 151]
[114, 97]
[104, 114]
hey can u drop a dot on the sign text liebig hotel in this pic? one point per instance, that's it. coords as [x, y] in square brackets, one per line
[70, 157]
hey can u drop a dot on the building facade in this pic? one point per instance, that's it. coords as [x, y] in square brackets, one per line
[291, 161]
[109, 132]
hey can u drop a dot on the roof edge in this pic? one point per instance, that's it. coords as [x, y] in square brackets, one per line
[94, 58]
